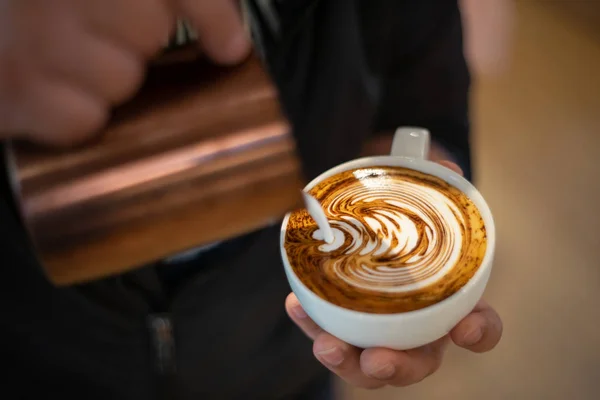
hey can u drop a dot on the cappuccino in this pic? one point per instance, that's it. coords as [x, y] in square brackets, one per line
[403, 240]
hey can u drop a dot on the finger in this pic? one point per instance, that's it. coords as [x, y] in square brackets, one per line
[220, 29]
[299, 316]
[480, 331]
[343, 360]
[104, 69]
[438, 152]
[143, 26]
[450, 165]
[403, 368]
[56, 113]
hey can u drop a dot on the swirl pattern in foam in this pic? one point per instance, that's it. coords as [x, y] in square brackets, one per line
[403, 240]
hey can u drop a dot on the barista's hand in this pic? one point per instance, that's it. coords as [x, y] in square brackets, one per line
[65, 63]
[373, 368]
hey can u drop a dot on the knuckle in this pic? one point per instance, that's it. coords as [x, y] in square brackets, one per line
[320, 344]
[334, 355]
[324, 341]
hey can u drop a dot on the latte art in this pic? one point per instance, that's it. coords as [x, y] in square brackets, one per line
[389, 238]
[403, 240]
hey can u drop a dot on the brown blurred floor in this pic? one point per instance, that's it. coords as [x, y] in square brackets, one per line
[538, 163]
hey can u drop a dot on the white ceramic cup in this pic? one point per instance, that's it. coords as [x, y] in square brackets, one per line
[412, 329]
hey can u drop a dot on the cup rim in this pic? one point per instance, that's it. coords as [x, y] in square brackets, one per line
[420, 165]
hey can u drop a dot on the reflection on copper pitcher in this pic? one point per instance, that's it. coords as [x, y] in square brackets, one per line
[202, 154]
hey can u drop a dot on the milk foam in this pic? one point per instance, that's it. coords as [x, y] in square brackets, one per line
[416, 228]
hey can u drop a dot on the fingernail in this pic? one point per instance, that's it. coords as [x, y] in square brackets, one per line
[473, 337]
[333, 356]
[385, 371]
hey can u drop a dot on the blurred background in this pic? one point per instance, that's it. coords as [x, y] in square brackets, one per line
[536, 115]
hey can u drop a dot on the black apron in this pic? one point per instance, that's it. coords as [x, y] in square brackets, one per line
[215, 327]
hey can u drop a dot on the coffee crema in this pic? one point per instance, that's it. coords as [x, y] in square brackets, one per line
[404, 240]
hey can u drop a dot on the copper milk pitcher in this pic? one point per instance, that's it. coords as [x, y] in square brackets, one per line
[202, 154]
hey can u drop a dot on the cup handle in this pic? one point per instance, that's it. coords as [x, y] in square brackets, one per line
[411, 142]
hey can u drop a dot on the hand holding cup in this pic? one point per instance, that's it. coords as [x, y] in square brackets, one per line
[372, 347]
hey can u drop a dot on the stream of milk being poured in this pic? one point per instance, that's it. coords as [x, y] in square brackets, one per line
[316, 211]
